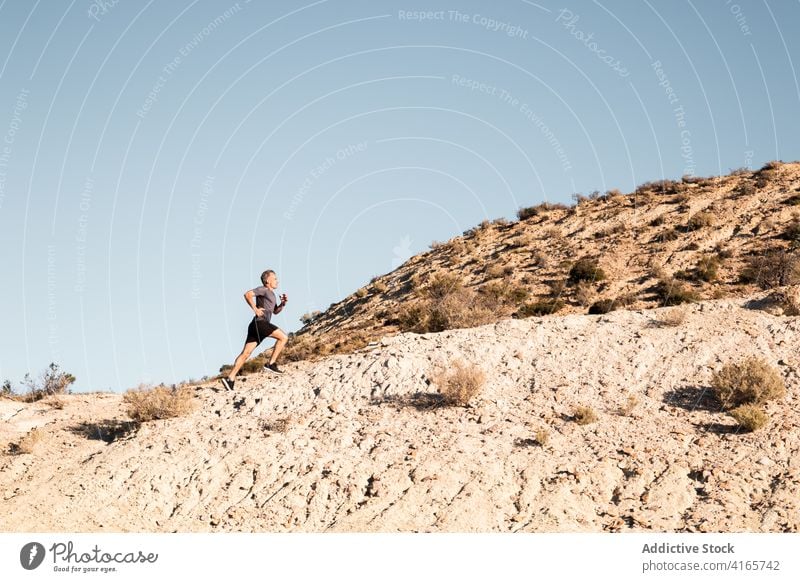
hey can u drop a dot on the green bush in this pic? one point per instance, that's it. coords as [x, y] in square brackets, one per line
[540, 308]
[585, 270]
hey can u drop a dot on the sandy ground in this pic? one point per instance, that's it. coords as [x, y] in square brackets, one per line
[346, 443]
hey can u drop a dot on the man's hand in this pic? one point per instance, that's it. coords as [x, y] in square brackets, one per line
[259, 311]
[284, 298]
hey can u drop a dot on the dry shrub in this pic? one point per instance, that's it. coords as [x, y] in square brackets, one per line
[28, 443]
[539, 308]
[54, 402]
[671, 292]
[280, 424]
[543, 208]
[752, 381]
[659, 187]
[553, 232]
[787, 299]
[584, 415]
[349, 341]
[145, 404]
[631, 403]
[444, 304]
[608, 305]
[539, 259]
[362, 292]
[541, 437]
[525, 239]
[673, 318]
[504, 291]
[603, 306]
[380, 287]
[707, 268]
[298, 348]
[750, 417]
[51, 381]
[774, 268]
[792, 232]
[745, 188]
[700, 220]
[458, 383]
[669, 234]
[497, 271]
[584, 293]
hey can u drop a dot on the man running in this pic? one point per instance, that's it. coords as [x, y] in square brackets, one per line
[263, 303]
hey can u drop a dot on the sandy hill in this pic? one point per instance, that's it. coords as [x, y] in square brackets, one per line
[352, 443]
[622, 304]
[666, 242]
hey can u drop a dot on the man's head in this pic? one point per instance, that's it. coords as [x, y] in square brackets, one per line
[269, 279]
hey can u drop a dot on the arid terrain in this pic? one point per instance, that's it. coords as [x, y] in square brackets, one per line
[597, 329]
[352, 442]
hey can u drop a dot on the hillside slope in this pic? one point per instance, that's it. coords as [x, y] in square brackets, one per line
[700, 232]
[347, 443]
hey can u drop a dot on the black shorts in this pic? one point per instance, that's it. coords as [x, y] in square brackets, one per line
[259, 330]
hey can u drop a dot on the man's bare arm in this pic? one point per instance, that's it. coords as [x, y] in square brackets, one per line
[250, 297]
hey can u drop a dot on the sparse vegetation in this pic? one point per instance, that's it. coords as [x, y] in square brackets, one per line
[745, 188]
[444, 303]
[458, 383]
[540, 308]
[584, 415]
[539, 209]
[752, 381]
[659, 187]
[792, 232]
[773, 268]
[630, 404]
[279, 424]
[584, 293]
[787, 299]
[362, 292]
[700, 220]
[750, 417]
[505, 291]
[672, 318]
[28, 443]
[585, 270]
[706, 270]
[146, 404]
[672, 292]
[603, 306]
[541, 437]
[52, 381]
[496, 271]
[669, 234]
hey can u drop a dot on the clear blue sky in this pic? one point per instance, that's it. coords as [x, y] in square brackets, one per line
[155, 157]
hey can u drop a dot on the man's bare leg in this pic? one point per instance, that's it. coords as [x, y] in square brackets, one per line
[241, 359]
[279, 345]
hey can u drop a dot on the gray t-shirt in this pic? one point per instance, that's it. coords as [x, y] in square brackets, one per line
[266, 300]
